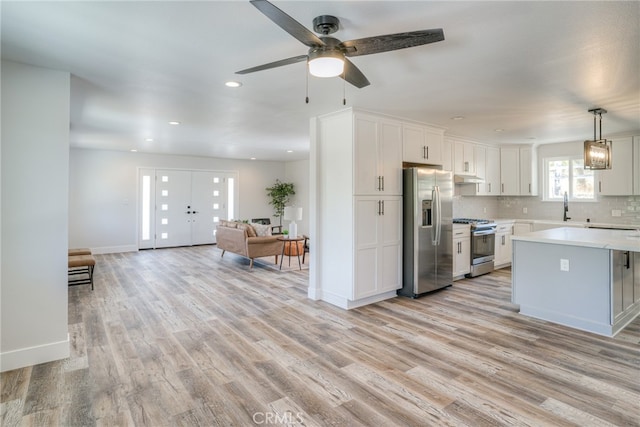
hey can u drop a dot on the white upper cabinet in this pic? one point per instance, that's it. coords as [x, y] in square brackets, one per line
[447, 155]
[421, 144]
[518, 171]
[510, 171]
[377, 156]
[487, 167]
[528, 171]
[464, 162]
[480, 157]
[618, 181]
[492, 173]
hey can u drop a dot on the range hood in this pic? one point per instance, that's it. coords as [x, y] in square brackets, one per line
[467, 179]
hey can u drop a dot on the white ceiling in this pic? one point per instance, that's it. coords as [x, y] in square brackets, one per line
[532, 69]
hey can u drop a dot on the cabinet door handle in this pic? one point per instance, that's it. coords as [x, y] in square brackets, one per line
[427, 153]
[489, 187]
[383, 183]
[502, 187]
[529, 188]
[627, 263]
[599, 186]
[424, 152]
[503, 240]
[379, 207]
[383, 207]
[466, 166]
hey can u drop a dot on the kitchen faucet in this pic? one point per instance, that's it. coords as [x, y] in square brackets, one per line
[566, 207]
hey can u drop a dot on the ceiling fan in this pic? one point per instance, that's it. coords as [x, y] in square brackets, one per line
[327, 56]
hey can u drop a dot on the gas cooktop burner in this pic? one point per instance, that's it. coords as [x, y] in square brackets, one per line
[476, 224]
[471, 221]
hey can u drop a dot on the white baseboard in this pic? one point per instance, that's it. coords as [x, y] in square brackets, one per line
[347, 304]
[30, 356]
[114, 249]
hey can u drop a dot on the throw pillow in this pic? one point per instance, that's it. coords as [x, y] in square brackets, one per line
[262, 229]
[251, 232]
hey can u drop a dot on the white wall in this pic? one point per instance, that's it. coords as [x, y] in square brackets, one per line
[298, 173]
[103, 192]
[34, 228]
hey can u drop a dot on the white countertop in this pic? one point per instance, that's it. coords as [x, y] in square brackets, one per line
[624, 240]
[570, 223]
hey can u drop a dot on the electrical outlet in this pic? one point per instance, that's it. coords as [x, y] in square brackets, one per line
[524, 210]
[564, 264]
[484, 210]
[616, 212]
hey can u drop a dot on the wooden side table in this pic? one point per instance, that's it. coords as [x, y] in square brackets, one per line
[289, 241]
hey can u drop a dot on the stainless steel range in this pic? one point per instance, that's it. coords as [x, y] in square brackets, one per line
[483, 240]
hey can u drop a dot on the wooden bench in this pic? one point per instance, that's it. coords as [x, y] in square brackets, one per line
[81, 262]
[79, 251]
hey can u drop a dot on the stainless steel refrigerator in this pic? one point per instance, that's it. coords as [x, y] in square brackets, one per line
[427, 231]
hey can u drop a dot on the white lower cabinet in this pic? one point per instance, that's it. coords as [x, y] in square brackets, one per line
[378, 245]
[461, 250]
[503, 245]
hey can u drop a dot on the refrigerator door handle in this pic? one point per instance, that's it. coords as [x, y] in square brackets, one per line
[437, 221]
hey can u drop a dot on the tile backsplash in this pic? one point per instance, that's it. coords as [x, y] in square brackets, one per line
[601, 211]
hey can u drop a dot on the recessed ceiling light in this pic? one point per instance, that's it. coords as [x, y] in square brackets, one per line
[289, 151]
[457, 118]
[134, 150]
[252, 158]
[149, 139]
[499, 130]
[233, 84]
[173, 122]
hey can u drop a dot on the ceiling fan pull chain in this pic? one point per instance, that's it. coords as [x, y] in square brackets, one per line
[344, 89]
[307, 75]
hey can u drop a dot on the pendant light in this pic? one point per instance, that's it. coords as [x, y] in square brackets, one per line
[597, 153]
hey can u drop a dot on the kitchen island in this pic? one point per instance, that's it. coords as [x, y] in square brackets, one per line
[584, 278]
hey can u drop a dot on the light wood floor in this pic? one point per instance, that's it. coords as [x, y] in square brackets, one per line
[182, 337]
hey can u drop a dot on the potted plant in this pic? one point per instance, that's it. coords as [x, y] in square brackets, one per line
[279, 195]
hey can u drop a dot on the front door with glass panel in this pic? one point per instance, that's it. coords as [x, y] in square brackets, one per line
[183, 207]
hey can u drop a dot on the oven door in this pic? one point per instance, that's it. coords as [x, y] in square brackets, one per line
[482, 246]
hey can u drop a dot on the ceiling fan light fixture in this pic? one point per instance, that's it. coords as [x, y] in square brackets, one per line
[326, 64]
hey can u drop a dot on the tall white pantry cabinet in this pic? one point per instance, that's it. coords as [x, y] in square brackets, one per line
[358, 173]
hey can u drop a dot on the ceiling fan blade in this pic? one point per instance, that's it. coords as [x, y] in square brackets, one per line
[353, 75]
[275, 64]
[378, 44]
[287, 23]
